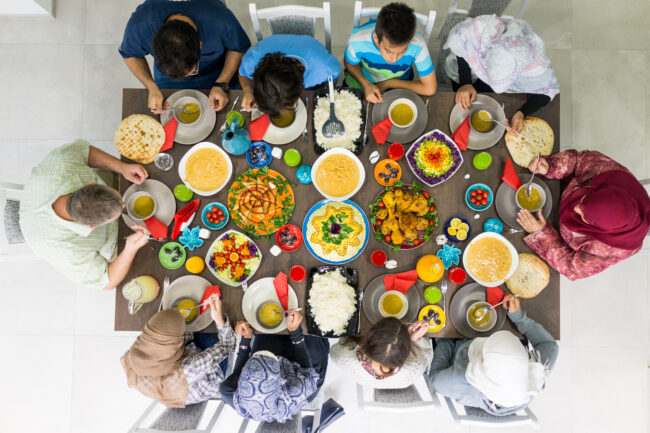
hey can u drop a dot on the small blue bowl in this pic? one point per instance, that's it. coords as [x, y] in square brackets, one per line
[468, 195]
[262, 162]
[454, 239]
[210, 225]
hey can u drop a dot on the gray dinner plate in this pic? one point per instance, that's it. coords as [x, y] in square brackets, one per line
[197, 131]
[506, 201]
[460, 303]
[371, 301]
[477, 140]
[396, 134]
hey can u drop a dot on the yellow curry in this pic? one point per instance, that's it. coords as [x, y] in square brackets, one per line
[270, 314]
[489, 259]
[143, 206]
[401, 114]
[337, 175]
[190, 112]
[206, 169]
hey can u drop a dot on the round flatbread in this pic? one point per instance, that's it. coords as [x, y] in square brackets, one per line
[530, 278]
[139, 138]
[537, 137]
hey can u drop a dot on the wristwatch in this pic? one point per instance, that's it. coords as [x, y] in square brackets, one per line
[224, 86]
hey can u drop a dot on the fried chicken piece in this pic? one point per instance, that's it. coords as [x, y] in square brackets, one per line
[390, 225]
[410, 234]
[404, 203]
[419, 206]
[407, 221]
[382, 213]
[422, 224]
[389, 201]
[397, 237]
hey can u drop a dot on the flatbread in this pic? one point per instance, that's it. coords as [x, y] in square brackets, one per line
[537, 137]
[530, 278]
[139, 138]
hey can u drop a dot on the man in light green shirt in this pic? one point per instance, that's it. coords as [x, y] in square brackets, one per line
[69, 216]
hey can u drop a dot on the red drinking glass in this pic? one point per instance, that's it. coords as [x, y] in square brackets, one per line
[395, 151]
[457, 275]
[297, 273]
[378, 258]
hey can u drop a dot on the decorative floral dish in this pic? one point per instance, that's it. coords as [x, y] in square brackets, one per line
[404, 216]
[387, 172]
[434, 158]
[233, 258]
[260, 201]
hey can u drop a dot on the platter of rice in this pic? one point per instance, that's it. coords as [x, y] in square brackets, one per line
[332, 301]
[350, 110]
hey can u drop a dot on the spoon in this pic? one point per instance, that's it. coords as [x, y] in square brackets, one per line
[479, 313]
[491, 119]
[333, 127]
[186, 311]
[182, 109]
[530, 182]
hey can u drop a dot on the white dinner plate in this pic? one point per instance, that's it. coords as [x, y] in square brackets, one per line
[258, 293]
[279, 136]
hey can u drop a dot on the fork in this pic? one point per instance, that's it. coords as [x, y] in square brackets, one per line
[443, 289]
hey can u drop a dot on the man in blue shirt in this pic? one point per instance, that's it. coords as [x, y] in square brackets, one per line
[275, 71]
[196, 44]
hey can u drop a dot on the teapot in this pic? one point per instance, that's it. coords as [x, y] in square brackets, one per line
[236, 139]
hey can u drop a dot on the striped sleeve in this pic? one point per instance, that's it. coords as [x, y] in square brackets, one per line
[423, 62]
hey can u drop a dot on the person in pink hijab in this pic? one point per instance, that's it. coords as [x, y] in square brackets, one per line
[604, 214]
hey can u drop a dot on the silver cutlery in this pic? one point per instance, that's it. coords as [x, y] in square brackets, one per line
[443, 289]
[182, 109]
[333, 127]
[508, 128]
[530, 182]
[365, 130]
[484, 310]
[222, 129]
[305, 139]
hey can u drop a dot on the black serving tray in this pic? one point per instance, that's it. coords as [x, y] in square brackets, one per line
[352, 277]
[324, 93]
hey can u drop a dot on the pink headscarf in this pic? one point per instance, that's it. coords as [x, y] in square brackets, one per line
[616, 207]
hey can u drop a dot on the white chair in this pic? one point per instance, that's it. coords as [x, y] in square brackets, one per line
[371, 13]
[414, 398]
[12, 243]
[471, 416]
[293, 19]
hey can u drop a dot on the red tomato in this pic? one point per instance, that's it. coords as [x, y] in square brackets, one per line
[387, 238]
[479, 190]
[473, 193]
[432, 222]
[417, 241]
[381, 204]
[483, 202]
[472, 200]
[219, 212]
[214, 208]
[486, 194]
[432, 208]
[426, 194]
[208, 215]
[379, 222]
[222, 218]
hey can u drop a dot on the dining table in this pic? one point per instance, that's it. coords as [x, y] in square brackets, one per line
[449, 197]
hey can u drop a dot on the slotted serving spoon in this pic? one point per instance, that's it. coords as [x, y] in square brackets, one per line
[333, 127]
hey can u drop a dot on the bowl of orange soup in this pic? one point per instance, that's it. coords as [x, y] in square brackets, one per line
[338, 174]
[490, 259]
[205, 168]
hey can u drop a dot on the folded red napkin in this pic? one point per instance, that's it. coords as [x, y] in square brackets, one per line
[259, 127]
[461, 134]
[494, 295]
[184, 215]
[380, 130]
[170, 132]
[282, 289]
[209, 291]
[401, 282]
[510, 176]
[157, 229]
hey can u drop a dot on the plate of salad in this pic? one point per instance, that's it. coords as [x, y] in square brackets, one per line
[233, 258]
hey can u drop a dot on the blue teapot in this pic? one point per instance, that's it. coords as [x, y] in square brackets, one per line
[235, 139]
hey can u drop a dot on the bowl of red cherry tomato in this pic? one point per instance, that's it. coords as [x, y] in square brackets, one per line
[479, 197]
[215, 216]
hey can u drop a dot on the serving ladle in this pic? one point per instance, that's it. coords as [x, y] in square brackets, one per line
[333, 127]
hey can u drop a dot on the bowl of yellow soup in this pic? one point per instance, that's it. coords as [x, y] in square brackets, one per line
[481, 316]
[338, 174]
[270, 314]
[393, 304]
[533, 202]
[402, 112]
[205, 168]
[490, 259]
[187, 110]
[480, 119]
[141, 205]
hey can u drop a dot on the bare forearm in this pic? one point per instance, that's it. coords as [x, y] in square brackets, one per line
[139, 67]
[100, 159]
[357, 73]
[230, 66]
[246, 84]
[417, 86]
[119, 268]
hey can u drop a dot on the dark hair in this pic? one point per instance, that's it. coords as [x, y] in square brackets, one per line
[93, 204]
[176, 48]
[396, 21]
[387, 342]
[278, 82]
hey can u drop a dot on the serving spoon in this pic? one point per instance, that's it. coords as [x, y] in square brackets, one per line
[333, 127]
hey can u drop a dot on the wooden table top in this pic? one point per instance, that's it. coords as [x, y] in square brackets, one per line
[545, 308]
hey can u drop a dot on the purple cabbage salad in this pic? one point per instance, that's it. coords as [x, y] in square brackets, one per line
[435, 135]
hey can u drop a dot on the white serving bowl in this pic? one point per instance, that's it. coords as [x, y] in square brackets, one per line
[513, 254]
[338, 150]
[204, 145]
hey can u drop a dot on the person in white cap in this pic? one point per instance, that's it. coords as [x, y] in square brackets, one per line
[497, 374]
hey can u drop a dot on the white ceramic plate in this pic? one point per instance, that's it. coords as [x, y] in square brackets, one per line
[278, 136]
[478, 141]
[188, 286]
[165, 201]
[209, 253]
[513, 253]
[197, 131]
[204, 145]
[258, 293]
[339, 151]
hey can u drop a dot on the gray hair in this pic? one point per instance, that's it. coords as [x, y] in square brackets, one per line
[94, 205]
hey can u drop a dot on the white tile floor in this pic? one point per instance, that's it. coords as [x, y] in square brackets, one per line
[62, 79]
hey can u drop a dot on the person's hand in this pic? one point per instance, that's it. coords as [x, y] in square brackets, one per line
[215, 311]
[518, 121]
[373, 94]
[542, 166]
[417, 330]
[383, 86]
[465, 96]
[156, 99]
[244, 329]
[529, 222]
[134, 173]
[511, 303]
[248, 101]
[136, 240]
[218, 98]
[293, 321]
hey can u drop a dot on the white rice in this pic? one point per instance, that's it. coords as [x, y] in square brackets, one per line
[348, 110]
[332, 301]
